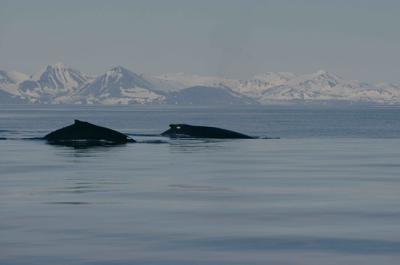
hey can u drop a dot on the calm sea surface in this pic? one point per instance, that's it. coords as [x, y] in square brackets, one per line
[327, 192]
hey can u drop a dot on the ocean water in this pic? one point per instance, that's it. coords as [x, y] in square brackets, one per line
[326, 192]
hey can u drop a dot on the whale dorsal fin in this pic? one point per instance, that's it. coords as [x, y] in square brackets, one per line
[76, 122]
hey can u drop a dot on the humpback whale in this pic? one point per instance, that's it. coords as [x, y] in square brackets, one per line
[86, 133]
[191, 131]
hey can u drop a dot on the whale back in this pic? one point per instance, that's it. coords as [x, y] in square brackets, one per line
[191, 131]
[81, 130]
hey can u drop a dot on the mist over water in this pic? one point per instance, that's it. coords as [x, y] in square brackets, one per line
[327, 192]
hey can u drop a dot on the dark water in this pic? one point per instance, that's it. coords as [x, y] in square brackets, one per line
[327, 192]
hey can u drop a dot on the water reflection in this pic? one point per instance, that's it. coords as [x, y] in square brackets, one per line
[80, 151]
[204, 188]
[299, 243]
[199, 145]
[68, 203]
[84, 144]
[152, 142]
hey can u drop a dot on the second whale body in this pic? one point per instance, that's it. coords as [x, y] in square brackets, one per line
[86, 132]
[191, 131]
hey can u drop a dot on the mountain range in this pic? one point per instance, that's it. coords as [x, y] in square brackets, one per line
[60, 84]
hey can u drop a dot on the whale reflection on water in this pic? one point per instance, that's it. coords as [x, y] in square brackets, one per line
[192, 145]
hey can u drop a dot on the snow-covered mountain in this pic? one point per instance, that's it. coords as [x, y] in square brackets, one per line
[286, 87]
[119, 86]
[325, 86]
[316, 86]
[52, 82]
[256, 86]
[59, 84]
[60, 78]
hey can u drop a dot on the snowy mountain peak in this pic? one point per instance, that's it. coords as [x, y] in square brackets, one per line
[51, 82]
[117, 73]
[275, 78]
[317, 80]
[119, 69]
[59, 65]
[323, 74]
[60, 78]
[122, 77]
[119, 86]
[49, 68]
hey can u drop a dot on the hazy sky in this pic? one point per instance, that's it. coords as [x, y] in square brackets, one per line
[354, 39]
